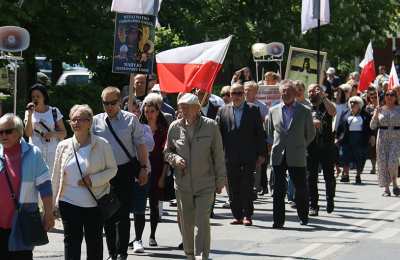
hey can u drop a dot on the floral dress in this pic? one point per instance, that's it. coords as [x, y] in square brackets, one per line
[388, 144]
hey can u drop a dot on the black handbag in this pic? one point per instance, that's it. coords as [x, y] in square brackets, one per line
[29, 220]
[135, 165]
[108, 204]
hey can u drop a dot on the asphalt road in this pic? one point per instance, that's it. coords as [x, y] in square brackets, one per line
[364, 225]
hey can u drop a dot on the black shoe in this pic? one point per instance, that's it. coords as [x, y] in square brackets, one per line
[180, 246]
[345, 178]
[396, 191]
[277, 226]
[330, 206]
[304, 222]
[313, 212]
[212, 215]
[358, 179]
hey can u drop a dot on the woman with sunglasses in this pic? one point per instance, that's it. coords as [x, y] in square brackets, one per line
[23, 175]
[83, 168]
[387, 120]
[43, 123]
[353, 135]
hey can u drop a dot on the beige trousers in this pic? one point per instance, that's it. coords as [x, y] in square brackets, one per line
[195, 223]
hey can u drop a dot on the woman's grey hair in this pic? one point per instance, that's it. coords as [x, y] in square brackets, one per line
[17, 122]
[83, 108]
[153, 99]
[356, 99]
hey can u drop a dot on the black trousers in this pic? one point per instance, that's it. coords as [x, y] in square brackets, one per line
[5, 254]
[117, 228]
[79, 222]
[298, 175]
[241, 182]
[324, 156]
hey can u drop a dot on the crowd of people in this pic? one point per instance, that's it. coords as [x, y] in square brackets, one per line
[117, 160]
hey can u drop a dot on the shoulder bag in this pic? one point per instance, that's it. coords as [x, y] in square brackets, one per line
[108, 204]
[133, 160]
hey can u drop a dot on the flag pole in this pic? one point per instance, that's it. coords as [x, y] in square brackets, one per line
[318, 50]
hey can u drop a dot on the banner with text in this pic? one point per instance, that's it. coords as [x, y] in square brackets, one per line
[133, 44]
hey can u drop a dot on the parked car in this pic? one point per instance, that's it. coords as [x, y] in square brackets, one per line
[74, 77]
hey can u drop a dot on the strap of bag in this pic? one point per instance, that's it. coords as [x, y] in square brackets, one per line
[54, 113]
[80, 171]
[118, 140]
[12, 192]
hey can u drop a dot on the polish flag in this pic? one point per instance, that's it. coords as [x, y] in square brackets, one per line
[368, 69]
[393, 78]
[194, 66]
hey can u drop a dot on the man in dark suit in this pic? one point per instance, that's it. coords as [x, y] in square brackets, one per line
[290, 126]
[243, 139]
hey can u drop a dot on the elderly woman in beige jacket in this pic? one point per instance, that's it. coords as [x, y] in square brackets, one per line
[78, 209]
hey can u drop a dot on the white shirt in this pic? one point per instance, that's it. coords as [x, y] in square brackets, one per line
[355, 123]
[40, 119]
[73, 193]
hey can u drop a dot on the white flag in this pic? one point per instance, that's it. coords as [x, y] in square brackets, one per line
[135, 6]
[310, 13]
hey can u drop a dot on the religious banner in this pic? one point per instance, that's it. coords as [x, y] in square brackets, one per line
[302, 65]
[133, 43]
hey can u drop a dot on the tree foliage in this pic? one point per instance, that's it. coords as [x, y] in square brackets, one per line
[79, 31]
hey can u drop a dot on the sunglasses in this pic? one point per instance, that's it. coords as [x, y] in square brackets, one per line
[390, 95]
[225, 95]
[110, 103]
[240, 93]
[7, 131]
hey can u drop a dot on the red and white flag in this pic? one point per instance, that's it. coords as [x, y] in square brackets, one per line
[368, 69]
[393, 78]
[195, 66]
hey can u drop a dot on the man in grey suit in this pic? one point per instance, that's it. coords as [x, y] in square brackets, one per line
[291, 128]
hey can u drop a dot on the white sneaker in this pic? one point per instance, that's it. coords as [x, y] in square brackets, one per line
[152, 242]
[138, 246]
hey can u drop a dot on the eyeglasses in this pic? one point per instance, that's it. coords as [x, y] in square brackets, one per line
[390, 95]
[78, 120]
[240, 93]
[225, 94]
[7, 131]
[109, 103]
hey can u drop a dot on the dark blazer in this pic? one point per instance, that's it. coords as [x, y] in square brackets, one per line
[245, 144]
[212, 111]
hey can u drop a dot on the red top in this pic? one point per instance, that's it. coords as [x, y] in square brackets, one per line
[13, 159]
